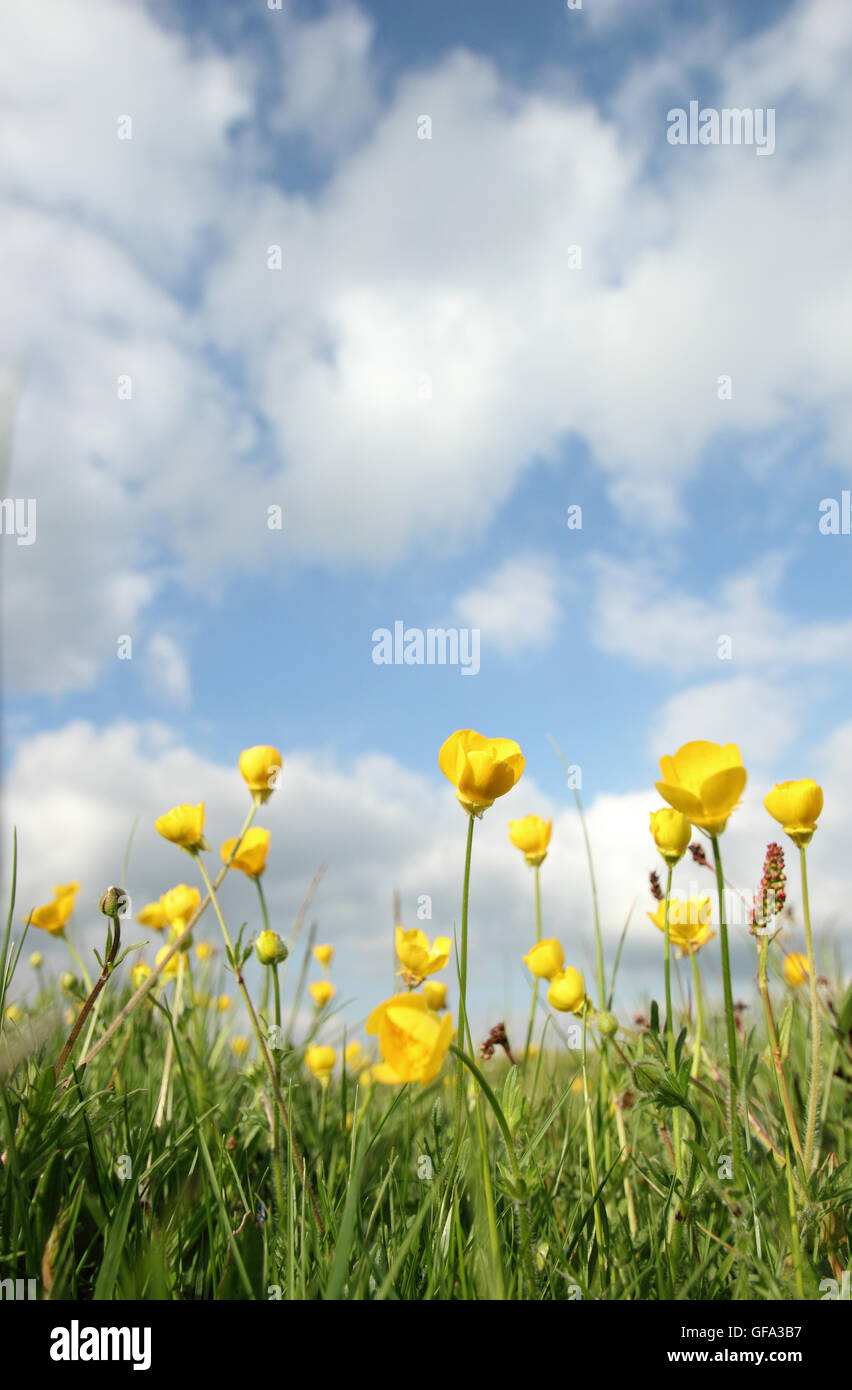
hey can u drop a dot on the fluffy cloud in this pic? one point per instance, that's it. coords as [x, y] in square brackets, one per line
[428, 334]
[516, 607]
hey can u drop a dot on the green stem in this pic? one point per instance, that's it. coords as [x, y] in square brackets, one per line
[699, 1015]
[784, 1095]
[811, 1147]
[537, 938]
[261, 1042]
[463, 1024]
[733, 1081]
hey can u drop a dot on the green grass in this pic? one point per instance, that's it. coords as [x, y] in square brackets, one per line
[98, 1202]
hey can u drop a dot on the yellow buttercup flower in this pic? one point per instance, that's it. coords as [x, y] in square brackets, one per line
[412, 1041]
[204, 951]
[223, 1003]
[152, 915]
[435, 994]
[14, 1013]
[179, 904]
[240, 1047]
[689, 922]
[796, 969]
[415, 954]
[139, 974]
[480, 769]
[567, 992]
[672, 833]
[532, 837]
[546, 959]
[53, 917]
[66, 890]
[322, 992]
[270, 949]
[797, 805]
[251, 856]
[320, 1061]
[323, 954]
[184, 826]
[261, 768]
[173, 966]
[354, 1054]
[704, 781]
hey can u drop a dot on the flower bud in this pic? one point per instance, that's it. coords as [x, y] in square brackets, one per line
[607, 1024]
[68, 981]
[112, 902]
[270, 949]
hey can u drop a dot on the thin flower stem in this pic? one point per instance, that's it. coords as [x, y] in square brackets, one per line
[699, 1015]
[264, 1051]
[590, 1140]
[150, 980]
[535, 986]
[733, 1078]
[811, 1145]
[784, 1094]
[462, 964]
[112, 952]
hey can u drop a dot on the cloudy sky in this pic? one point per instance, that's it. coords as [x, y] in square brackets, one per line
[428, 285]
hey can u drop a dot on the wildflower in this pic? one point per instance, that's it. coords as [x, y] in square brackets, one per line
[671, 832]
[184, 826]
[607, 1024]
[435, 994]
[567, 992]
[113, 902]
[322, 992]
[797, 806]
[532, 837]
[240, 1047]
[481, 769]
[139, 974]
[251, 855]
[320, 1061]
[270, 949]
[704, 781]
[416, 955]
[260, 767]
[173, 966]
[14, 1013]
[323, 954]
[153, 916]
[36, 960]
[68, 981]
[773, 888]
[413, 1043]
[53, 917]
[354, 1054]
[223, 1003]
[689, 922]
[204, 951]
[796, 969]
[546, 959]
[180, 904]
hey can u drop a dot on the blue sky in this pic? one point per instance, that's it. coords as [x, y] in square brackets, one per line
[444, 261]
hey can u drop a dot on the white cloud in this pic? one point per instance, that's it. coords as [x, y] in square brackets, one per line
[444, 259]
[761, 718]
[654, 622]
[167, 670]
[516, 607]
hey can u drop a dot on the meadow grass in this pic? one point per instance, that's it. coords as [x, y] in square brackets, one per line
[146, 1153]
